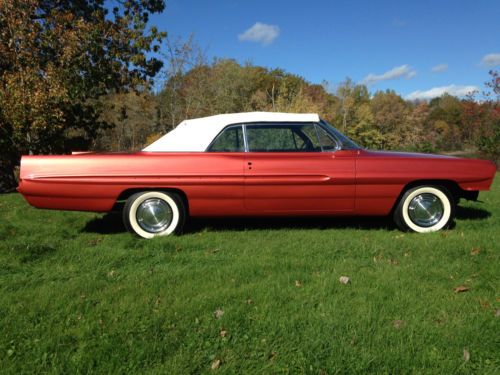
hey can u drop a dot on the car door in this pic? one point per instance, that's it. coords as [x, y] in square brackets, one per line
[296, 168]
[219, 190]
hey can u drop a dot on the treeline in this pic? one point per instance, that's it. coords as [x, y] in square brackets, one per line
[78, 75]
[382, 120]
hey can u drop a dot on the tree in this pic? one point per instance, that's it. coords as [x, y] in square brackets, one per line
[350, 96]
[493, 85]
[488, 140]
[57, 59]
[363, 131]
[180, 56]
[225, 86]
[134, 116]
[390, 113]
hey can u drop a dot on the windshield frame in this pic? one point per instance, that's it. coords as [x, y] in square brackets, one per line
[345, 142]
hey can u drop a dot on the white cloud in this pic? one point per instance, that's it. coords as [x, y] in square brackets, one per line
[260, 33]
[440, 68]
[492, 59]
[435, 92]
[403, 71]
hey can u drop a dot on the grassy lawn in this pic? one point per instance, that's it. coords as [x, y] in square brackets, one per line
[77, 294]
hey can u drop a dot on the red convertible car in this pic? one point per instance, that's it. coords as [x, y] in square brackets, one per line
[255, 164]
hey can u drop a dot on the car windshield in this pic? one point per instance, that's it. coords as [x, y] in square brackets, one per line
[347, 144]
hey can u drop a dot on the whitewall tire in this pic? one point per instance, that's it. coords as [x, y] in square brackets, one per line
[425, 209]
[150, 214]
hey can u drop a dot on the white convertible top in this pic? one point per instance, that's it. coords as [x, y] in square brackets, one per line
[197, 134]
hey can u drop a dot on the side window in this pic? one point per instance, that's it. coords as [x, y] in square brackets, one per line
[230, 140]
[282, 138]
[326, 140]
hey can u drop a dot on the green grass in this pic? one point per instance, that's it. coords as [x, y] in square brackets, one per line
[78, 295]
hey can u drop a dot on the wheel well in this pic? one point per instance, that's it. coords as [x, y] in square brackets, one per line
[126, 194]
[450, 185]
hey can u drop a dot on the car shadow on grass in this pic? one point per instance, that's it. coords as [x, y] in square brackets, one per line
[112, 223]
[109, 223]
[471, 213]
[287, 223]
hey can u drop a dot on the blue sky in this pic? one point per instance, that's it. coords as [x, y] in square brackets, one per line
[385, 44]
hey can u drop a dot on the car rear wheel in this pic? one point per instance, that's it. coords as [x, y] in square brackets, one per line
[425, 209]
[150, 214]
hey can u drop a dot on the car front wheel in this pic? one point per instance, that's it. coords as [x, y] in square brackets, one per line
[424, 209]
[154, 213]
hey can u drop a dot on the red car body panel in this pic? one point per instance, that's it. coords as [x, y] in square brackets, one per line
[309, 182]
[381, 176]
[345, 182]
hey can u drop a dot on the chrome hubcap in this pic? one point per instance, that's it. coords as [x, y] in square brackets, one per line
[425, 210]
[154, 215]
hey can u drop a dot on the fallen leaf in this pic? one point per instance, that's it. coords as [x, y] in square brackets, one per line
[95, 241]
[497, 313]
[475, 251]
[298, 283]
[223, 333]
[218, 313]
[394, 262]
[249, 301]
[398, 324]
[466, 355]
[111, 273]
[344, 280]
[215, 364]
[272, 356]
[484, 303]
[461, 289]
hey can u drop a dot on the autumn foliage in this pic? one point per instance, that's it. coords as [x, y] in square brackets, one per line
[58, 58]
[78, 76]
